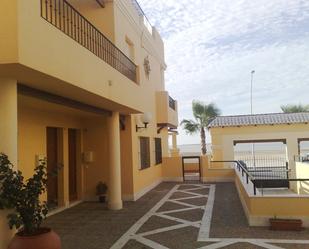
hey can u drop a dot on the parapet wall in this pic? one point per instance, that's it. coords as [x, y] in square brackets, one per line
[258, 209]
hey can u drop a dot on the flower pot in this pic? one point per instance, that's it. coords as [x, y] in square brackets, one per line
[45, 239]
[286, 224]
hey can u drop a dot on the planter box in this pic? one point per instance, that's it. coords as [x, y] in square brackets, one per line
[286, 224]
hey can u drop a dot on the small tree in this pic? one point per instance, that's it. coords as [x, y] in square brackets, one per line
[294, 108]
[23, 197]
[203, 115]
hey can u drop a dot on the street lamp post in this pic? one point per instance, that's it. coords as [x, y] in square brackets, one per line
[252, 72]
[251, 107]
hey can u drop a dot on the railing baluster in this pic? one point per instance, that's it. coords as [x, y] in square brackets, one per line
[55, 9]
[51, 11]
[63, 16]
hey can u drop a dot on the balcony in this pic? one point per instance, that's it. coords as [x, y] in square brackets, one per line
[66, 18]
[167, 111]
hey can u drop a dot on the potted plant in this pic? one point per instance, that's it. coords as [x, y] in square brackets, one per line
[101, 191]
[285, 224]
[22, 197]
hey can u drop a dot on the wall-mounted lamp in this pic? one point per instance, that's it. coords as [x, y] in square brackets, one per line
[145, 119]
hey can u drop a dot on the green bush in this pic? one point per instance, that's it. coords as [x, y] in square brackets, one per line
[22, 197]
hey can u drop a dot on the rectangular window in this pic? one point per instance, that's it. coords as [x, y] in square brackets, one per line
[144, 152]
[158, 150]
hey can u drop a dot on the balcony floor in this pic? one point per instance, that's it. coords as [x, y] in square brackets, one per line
[171, 216]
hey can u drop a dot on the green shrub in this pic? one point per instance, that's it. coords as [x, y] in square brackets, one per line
[22, 197]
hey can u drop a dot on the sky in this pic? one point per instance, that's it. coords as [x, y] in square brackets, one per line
[211, 47]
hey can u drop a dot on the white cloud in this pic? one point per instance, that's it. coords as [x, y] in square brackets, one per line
[212, 46]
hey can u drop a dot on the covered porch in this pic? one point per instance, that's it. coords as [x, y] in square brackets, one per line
[82, 144]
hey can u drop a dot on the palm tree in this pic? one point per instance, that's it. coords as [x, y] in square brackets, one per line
[294, 108]
[203, 115]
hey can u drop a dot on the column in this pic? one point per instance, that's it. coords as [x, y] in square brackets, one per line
[114, 188]
[292, 151]
[8, 141]
[174, 150]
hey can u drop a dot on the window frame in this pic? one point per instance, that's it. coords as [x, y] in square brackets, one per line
[158, 153]
[145, 161]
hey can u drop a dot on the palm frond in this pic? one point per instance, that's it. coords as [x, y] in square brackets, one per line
[294, 108]
[198, 109]
[190, 126]
[204, 113]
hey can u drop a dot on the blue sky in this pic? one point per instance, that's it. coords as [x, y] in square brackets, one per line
[211, 46]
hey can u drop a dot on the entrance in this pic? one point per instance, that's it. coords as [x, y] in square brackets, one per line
[191, 168]
[52, 166]
[72, 133]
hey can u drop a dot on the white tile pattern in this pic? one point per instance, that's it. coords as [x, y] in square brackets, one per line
[203, 225]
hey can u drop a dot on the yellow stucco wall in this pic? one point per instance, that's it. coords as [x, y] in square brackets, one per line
[172, 168]
[47, 59]
[302, 172]
[165, 114]
[8, 31]
[222, 138]
[259, 209]
[66, 57]
[32, 142]
[8, 140]
[101, 18]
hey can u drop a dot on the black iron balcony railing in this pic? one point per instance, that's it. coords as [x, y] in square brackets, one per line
[171, 103]
[66, 18]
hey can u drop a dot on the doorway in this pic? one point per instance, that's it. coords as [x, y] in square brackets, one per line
[191, 168]
[52, 166]
[72, 146]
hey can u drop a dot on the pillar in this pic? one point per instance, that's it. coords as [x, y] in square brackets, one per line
[174, 150]
[8, 141]
[114, 188]
[292, 151]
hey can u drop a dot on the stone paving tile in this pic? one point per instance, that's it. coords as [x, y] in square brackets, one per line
[243, 246]
[93, 226]
[204, 191]
[133, 244]
[190, 215]
[229, 220]
[184, 238]
[186, 186]
[156, 222]
[291, 246]
[96, 227]
[199, 201]
[177, 195]
[168, 206]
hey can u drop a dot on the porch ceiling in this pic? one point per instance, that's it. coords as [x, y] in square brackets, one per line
[38, 80]
[41, 105]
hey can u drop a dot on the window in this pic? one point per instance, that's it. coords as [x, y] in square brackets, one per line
[144, 152]
[158, 150]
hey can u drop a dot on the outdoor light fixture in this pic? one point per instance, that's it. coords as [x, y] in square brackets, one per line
[145, 119]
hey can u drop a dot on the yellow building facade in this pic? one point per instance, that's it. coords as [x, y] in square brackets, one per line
[82, 83]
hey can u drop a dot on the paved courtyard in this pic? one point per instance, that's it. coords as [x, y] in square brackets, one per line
[175, 216]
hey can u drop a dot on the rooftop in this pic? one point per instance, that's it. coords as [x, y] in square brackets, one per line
[260, 119]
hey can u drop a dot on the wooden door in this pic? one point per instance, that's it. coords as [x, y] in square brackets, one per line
[52, 166]
[72, 164]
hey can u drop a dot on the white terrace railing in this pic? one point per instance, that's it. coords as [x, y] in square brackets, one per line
[141, 13]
